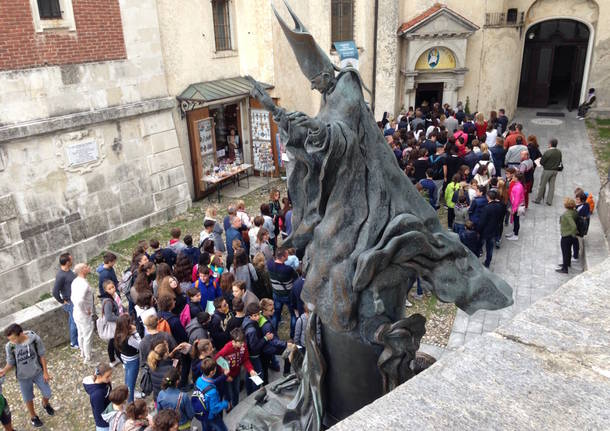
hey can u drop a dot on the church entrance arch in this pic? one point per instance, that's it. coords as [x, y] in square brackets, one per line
[553, 64]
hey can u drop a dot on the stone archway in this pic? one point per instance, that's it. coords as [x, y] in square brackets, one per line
[434, 45]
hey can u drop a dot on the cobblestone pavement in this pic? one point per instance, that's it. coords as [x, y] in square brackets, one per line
[528, 264]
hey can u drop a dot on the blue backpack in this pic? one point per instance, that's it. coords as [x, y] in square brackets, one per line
[199, 402]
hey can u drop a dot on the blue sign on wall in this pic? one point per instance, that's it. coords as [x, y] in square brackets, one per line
[348, 53]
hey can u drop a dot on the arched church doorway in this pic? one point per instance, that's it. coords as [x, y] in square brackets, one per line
[553, 64]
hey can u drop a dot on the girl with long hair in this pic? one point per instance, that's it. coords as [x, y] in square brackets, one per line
[171, 398]
[127, 343]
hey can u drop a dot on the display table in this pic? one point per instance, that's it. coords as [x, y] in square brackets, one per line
[221, 178]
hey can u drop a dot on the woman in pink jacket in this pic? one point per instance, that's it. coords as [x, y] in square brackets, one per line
[517, 198]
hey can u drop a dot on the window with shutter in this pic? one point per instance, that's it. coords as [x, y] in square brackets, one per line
[342, 20]
[49, 9]
[222, 25]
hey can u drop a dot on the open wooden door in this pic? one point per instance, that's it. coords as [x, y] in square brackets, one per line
[264, 140]
[576, 77]
[203, 146]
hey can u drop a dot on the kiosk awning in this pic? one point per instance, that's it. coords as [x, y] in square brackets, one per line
[203, 93]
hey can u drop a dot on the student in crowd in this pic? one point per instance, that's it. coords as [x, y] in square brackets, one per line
[112, 308]
[517, 199]
[282, 278]
[567, 223]
[469, 238]
[153, 337]
[238, 315]
[233, 233]
[171, 398]
[127, 343]
[255, 340]
[490, 223]
[160, 360]
[26, 352]
[218, 324]
[262, 288]
[137, 417]
[206, 400]
[243, 270]
[62, 291]
[197, 328]
[194, 304]
[115, 412]
[235, 352]
[216, 231]
[552, 164]
[159, 254]
[166, 420]
[239, 291]
[107, 272]
[273, 347]
[175, 244]
[82, 298]
[98, 388]
[209, 288]
[191, 252]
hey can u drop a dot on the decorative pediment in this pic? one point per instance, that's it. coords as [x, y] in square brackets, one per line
[438, 21]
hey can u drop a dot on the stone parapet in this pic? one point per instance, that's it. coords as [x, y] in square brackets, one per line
[46, 318]
[548, 368]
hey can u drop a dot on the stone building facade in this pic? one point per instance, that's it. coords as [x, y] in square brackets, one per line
[104, 103]
[88, 148]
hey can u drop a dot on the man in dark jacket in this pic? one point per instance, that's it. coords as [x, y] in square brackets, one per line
[218, 324]
[551, 163]
[477, 205]
[497, 155]
[489, 224]
[62, 290]
[161, 254]
[255, 341]
[107, 273]
[233, 232]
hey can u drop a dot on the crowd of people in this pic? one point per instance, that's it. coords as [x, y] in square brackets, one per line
[191, 322]
[481, 169]
[196, 320]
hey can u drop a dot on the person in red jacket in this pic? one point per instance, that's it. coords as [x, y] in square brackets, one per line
[236, 354]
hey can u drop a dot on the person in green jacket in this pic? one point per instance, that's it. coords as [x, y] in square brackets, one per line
[551, 163]
[449, 192]
[567, 223]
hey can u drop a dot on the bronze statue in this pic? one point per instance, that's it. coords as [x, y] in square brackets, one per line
[364, 234]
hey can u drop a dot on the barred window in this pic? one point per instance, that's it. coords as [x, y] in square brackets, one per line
[342, 20]
[222, 25]
[49, 9]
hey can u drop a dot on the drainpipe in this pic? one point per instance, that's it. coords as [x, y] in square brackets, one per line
[375, 57]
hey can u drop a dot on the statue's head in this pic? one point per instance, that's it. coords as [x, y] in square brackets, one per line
[322, 81]
[313, 61]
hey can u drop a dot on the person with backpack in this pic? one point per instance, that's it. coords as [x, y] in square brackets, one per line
[127, 343]
[6, 418]
[218, 323]
[197, 327]
[583, 214]
[208, 286]
[153, 337]
[450, 190]
[115, 412]
[98, 388]
[26, 353]
[206, 401]
[255, 340]
[171, 398]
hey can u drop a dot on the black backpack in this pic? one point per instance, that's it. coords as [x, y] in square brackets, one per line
[437, 167]
[582, 225]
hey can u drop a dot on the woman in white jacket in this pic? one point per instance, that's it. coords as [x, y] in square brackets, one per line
[82, 298]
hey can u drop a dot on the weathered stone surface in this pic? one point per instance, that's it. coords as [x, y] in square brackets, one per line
[8, 208]
[59, 237]
[548, 368]
[170, 196]
[162, 141]
[169, 178]
[165, 160]
[79, 119]
[46, 318]
[89, 227]
[13, 255]
[136, 207]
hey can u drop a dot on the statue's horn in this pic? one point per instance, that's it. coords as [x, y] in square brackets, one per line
[298, 25]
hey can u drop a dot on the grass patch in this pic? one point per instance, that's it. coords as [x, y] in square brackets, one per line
[604, 122]
[44, 296]
[599, 134]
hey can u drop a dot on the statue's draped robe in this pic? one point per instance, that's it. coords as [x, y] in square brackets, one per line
[363, 227]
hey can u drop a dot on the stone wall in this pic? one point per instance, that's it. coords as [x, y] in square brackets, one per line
[603, 207]
[545, 369]
[88, 155]
[46, 318]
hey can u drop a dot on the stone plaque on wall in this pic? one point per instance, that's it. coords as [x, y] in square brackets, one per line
[81, 153]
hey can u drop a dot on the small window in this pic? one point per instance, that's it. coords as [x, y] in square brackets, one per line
[222, 25]
[342, 20]
[49, 9]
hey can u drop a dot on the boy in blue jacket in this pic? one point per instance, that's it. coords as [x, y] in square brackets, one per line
[207, 285]
[206, 402]
[273, 347]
